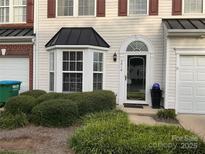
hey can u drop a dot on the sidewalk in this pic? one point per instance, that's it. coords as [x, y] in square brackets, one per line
[144, 116]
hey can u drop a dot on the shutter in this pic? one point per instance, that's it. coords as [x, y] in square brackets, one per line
[30, 11]
[153, 7]
[51, 8]
[122, 7]
[176, 7]
[100, 8]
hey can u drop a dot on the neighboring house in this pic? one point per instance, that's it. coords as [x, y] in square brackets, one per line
[16, 44]
[86, 45]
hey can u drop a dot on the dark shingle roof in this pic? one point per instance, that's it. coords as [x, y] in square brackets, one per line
[77, 36]
[184, 23]
[16, 32]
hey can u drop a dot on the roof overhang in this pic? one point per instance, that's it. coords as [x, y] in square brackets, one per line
[184, 27]
[76, 47]
[16, 39]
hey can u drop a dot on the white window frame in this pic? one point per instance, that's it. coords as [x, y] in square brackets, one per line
[52, 59]
[75, 10]
[183, 9]
[87, 73]
[128, 9]
[99, 72]
[11, 13]
[80, 72]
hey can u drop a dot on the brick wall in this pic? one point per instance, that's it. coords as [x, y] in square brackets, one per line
[21, 50]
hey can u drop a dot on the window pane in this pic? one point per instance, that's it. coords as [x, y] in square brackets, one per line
[72, 82]
[138, 7]
[193, 6]
[51, 61]
[19, 2]
[72, 61]
[86, 7]
[137, 46]
[97, 81]
[4, 11]
[98, 61]
[51, 87]
[65, 7]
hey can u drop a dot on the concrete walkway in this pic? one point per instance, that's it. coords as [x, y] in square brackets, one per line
[194, 123]
[144, 116]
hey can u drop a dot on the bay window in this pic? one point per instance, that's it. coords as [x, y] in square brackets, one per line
[13, 11]
[75, 70]
[193, 6]
[138, 7]
[97, 71]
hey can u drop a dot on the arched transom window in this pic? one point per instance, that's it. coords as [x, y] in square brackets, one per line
[137, 46]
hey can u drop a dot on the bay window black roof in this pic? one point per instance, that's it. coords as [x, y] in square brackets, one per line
[77, 36]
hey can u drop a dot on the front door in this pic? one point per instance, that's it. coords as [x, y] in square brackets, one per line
[136, 79]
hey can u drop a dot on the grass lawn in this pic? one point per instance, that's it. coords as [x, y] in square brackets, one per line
[111, 132]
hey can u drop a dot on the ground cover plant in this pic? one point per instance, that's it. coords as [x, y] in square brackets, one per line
[10, 121]
[111, 132]
[167, 114]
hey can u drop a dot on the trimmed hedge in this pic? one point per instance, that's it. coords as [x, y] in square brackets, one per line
[87, 102]
[34, 93]
[10, 121]
[111, 132]
[55, 113]
[18, 104]
[168, 114]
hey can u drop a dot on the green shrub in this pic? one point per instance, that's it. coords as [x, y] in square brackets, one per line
[10, 121]
[34, 93]
[18, 104]
[55, 113]
[87, 102]
[112, 133]
[166, 114]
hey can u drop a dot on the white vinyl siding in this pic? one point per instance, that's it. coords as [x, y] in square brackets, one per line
[137, 7]
[13, 11]
[193, 6]
[65, 7]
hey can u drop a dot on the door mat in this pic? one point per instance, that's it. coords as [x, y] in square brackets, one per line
[128, 105]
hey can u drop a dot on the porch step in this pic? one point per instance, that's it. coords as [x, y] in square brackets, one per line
[145, 111]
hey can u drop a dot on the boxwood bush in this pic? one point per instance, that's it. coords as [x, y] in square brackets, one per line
[34, 93]
[112, 133]
[18, 104]
[10, 121]
[55, 113]
[88, 102]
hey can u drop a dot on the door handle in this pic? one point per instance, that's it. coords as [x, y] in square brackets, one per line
[125, 77]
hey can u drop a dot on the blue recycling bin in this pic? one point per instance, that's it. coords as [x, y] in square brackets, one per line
[8, 89]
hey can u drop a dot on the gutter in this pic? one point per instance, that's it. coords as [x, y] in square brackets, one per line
[17, 39]
[186, 32]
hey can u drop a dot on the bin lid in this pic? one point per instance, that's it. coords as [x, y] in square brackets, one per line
[9, 82]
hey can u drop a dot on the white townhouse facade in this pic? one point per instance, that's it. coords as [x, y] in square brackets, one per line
[124, 46]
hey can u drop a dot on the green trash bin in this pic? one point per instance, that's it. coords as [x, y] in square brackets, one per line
[8, 89]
